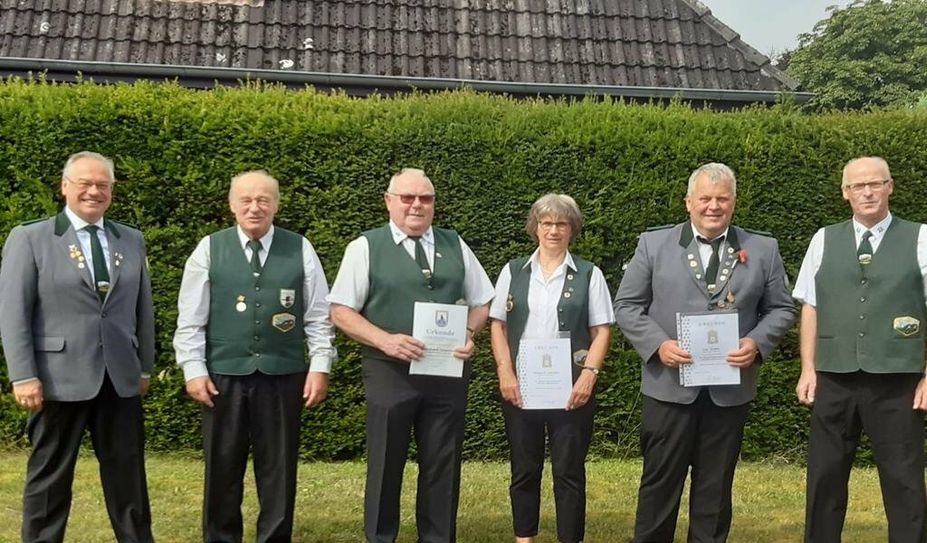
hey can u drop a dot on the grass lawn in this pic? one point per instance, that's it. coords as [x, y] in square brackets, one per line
[768, 502]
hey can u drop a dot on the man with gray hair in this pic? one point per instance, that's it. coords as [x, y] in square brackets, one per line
[252, 298]
[862, 288]
[77, 323]
[383, 273]
[702, 265]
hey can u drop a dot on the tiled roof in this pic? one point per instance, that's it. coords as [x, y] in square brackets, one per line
[639, 43]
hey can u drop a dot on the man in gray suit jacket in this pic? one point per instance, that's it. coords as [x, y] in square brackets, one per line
[704, 264]
[77, 324]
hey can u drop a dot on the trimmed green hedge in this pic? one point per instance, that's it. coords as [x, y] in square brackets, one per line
[490, 158]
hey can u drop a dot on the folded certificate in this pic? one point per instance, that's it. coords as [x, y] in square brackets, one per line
[441, 327]
[545, 378]
[708, 336]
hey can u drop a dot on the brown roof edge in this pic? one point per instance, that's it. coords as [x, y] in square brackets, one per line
[208, 77]
[734, 40]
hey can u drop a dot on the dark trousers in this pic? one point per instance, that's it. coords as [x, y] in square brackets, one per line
[117, 434]
[675, 437]
[570, 433]
[880, 404]
[260, 413]
[398, 405]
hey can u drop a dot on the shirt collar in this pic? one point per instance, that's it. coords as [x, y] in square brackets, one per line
[79, 223]
[399, 236]
[698, 234]
[265, 240]
[535, 260]
[878, 229]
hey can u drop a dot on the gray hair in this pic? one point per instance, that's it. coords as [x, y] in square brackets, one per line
[262, 174]
[881, 161]
[715, 172]
[559, 205]
[407, 171]
[105, 161]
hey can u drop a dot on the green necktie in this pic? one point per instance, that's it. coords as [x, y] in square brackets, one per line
[421, 259]
[864, 253]
[711, 272]
[100, 273]
[255, 247]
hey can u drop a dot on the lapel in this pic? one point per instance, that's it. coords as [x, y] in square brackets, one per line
[690, 258]
[727, 263]
[69, 246]
[117, 253]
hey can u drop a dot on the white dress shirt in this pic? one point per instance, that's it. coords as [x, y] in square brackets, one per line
[704, 249]
[544, 296]
[83, 237]
[193, 307]
[804, 290]
[352, 285]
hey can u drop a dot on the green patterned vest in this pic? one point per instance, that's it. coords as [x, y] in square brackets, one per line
[396, 281]
[255, 323]
[572, 309]
[870, 317]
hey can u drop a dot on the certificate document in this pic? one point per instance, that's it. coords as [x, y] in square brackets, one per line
[708, 336]
[545, 378]
[441, 327]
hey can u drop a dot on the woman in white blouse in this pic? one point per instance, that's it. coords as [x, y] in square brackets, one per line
[539, 299]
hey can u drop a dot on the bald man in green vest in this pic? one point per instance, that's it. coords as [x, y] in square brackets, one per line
[383, 273]
[862, 286]
[252, 299]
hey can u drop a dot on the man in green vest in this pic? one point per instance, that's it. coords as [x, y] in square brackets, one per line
[862, 286]
[252, 298]
[383, 273]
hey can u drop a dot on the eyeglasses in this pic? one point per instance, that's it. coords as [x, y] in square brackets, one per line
[550, 225]
[86, 184]
[425, 199]
[874, 186]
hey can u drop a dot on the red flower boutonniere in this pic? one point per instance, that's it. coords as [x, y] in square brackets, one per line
[742, 256]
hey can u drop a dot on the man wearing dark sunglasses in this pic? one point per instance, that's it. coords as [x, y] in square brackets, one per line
[383, 273]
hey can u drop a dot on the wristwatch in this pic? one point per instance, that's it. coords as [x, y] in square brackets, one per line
[595, 371]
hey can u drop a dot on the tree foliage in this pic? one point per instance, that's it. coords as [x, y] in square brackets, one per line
[870, 53]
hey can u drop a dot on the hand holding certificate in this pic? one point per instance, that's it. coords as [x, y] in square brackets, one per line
[442, 328]
[708, 337]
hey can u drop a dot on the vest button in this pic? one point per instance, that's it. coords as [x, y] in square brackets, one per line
[257, 304]
[258, 338]
[257, 288]
[862, 299]
[863, 281]
[861, 317]
[861, 334]
[257, 355]
[257, 322]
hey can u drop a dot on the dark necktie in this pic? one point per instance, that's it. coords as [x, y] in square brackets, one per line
[420, 258]
[255, 247]
[100, 273]
[711, 272]
[864, 253]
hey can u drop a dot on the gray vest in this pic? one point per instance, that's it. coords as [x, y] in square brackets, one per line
[572, 309]
[267, 335]
[870, 317]
[396, 282]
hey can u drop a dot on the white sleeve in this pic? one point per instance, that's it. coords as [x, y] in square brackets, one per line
[318, 328]
[352, 283]
[477, 286]
[601, 310]
[497, 309]
[922, 254]
[193, 313]
[804, 290]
